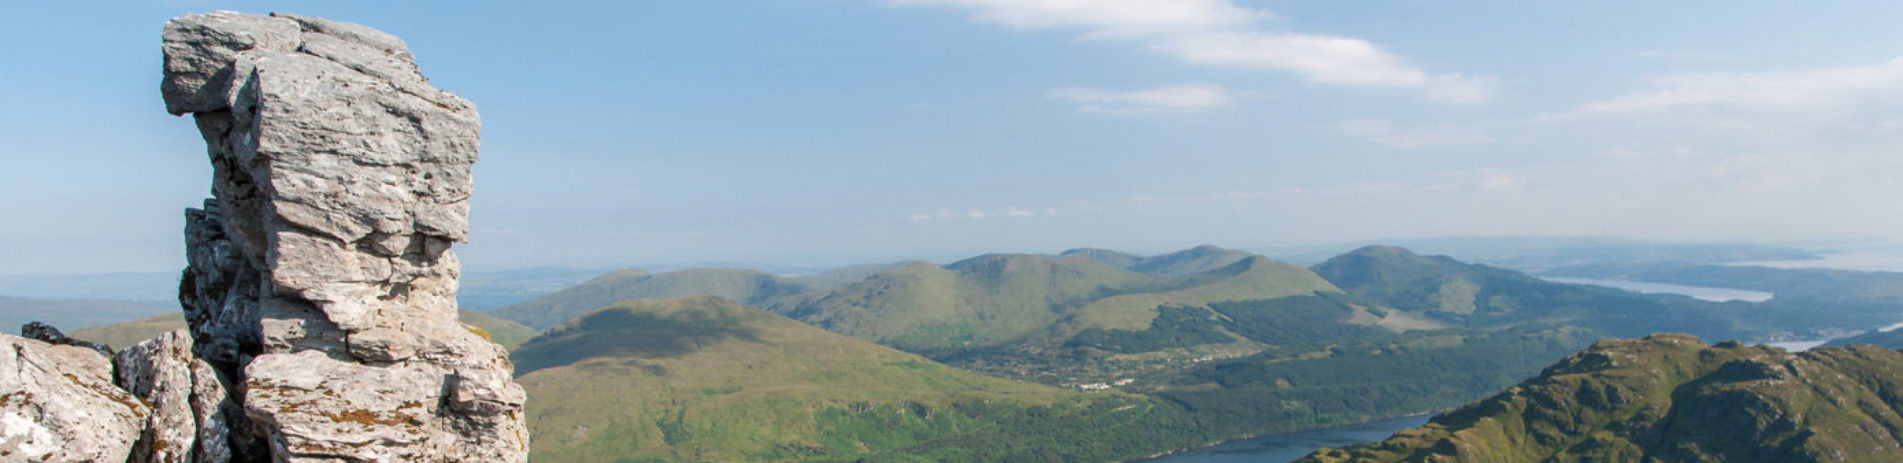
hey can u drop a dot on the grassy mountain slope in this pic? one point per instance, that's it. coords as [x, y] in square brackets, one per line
[746, 286]
[980, 301]
[123, 335]
[1250, 278]
[507, 333]
[706, 379]
[1479, 296]
[840, 276]
[70, 315]
[1672, 398]
[1185, 262]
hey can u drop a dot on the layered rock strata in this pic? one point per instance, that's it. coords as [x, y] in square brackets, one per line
[321, 285]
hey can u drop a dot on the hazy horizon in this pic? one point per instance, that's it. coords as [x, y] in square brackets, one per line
[846, 131]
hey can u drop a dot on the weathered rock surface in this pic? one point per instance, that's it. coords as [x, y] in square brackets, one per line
[189, 400]
[321, 279]
[58, 404]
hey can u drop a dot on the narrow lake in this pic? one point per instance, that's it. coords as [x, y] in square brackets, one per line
[1698, 292]
[1282, 448]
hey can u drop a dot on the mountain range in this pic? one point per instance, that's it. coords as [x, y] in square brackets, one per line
[1036, 357]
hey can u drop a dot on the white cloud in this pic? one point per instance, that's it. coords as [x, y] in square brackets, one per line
[1220, 33]
[1176, 99]
[1105, 18]
[1323, 59]
[1776, 91]
[1015, 212]
[1383, 131]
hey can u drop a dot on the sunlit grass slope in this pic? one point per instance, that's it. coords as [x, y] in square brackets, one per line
[707, 379]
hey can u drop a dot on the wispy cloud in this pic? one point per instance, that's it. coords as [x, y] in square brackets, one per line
[1777, 91]
[1685, 55]
[1383, 131]
[1220, 33]
[1172, 100]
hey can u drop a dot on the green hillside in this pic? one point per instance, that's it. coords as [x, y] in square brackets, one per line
[507, 333]
[746, 286]
[985, 300]
[1443, 289]
[1185, 262]
[1671, 398]
[119, 336]
[707, 379]
[123, 335]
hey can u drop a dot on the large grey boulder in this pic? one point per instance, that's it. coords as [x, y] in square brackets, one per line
[58, 404]
[320, 276]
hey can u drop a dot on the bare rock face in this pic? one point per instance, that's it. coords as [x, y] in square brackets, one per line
[58, 404]
[321, 280]
[190, 403]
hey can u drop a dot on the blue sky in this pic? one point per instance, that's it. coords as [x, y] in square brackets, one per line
[836, 131]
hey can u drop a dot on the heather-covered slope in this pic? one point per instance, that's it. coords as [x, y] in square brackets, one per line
[1671, 398]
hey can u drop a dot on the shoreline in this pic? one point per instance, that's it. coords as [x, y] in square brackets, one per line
[1268, 434]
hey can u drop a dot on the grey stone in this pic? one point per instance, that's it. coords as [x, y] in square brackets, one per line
[57, 404]
[189, 400]
[320, 275]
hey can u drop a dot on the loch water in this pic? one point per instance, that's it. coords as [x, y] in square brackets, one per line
[1286, 447]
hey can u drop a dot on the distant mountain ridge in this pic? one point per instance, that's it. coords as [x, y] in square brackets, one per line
[746, 286]
[1478, 295]
[1198, 259]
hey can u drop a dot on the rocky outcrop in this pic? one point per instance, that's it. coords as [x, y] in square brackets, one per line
[58, 404]
[191, 408]
[321, 280]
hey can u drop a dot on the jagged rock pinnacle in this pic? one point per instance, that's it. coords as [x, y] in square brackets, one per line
[321, 284]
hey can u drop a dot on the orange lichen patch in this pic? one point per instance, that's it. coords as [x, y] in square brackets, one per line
[366, 417]
[113, 394]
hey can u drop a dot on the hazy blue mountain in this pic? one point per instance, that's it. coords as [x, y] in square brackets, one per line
[1185, 262]
[746, 286]
[1540, 253]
